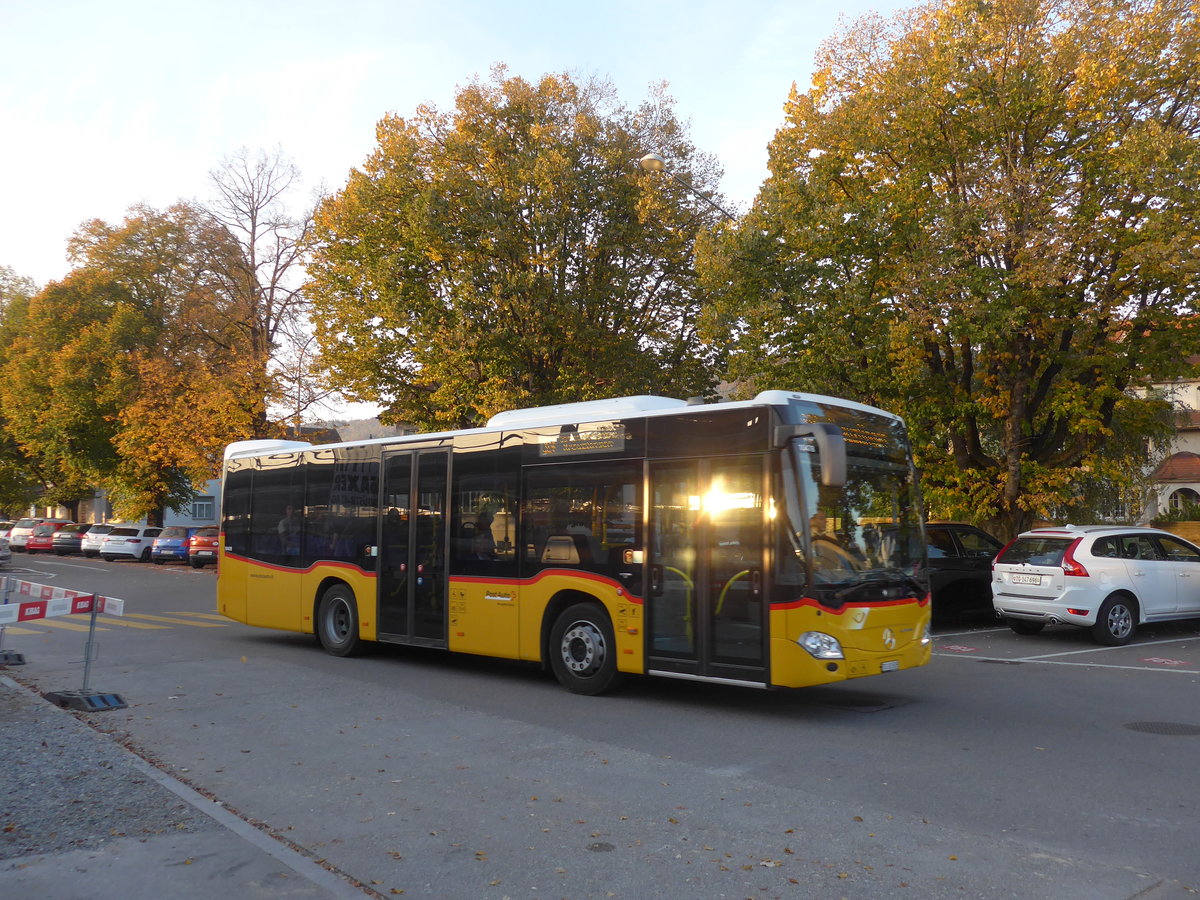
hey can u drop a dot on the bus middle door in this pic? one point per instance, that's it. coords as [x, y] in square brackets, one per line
[412, 547]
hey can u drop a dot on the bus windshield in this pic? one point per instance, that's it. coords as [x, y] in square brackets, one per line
[862, 541]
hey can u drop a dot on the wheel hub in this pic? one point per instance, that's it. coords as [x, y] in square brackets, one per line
[1120, 621]
[583, 649]
[340, 620]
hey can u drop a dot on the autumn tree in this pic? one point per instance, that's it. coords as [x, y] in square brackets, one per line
[510, 253]
[255, 199]
[20, 484]
[129, 373]
[985, 216]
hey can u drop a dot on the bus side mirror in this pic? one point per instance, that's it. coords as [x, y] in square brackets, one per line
[826, 440]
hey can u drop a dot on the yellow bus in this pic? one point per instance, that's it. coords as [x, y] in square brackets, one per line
[771, 543]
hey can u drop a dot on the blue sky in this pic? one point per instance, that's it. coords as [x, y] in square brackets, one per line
[108, 104]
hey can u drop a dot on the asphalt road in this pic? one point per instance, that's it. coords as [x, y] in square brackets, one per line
[1011, 766]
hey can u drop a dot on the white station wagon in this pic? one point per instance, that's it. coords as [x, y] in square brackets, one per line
[1106, 579]
[133, 541]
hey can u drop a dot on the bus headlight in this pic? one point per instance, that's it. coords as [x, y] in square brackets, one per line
[821, 645]
[927, 636]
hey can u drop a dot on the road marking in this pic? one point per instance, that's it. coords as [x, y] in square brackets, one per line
[65, 626]
[942, 634]
[1061, 662]
[17, 629]
[1174, 640]
[173, 621]
[124, 624]
[199, 615]
[86, 566]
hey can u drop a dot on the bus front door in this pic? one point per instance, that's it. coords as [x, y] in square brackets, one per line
[704, 606]
[412, 556]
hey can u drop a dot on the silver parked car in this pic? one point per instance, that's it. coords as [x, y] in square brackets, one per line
[1106, 579]
[90, 545]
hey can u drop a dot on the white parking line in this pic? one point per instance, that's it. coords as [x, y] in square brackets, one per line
[1059, 662]
[88, 567]
[942, 634]
[1174, 640]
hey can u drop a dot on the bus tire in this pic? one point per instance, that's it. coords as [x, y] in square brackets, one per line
[583, 649]
[337, 621]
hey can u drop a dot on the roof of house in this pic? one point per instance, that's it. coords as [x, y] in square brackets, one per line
[1184, 466]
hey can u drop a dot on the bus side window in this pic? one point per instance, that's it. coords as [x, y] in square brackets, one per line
[581, 514]
[483, 510]
[278, 493]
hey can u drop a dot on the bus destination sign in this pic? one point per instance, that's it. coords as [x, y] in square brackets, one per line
[607, 437]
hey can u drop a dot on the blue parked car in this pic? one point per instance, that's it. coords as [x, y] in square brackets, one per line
[171, 545]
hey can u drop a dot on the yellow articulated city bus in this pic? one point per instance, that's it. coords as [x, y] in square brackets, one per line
[775, 542]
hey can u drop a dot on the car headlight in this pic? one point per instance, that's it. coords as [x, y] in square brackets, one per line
[821, 645]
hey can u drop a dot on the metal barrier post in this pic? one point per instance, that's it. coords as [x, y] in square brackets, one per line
[8, 657]
[85, 698]
[89, 647]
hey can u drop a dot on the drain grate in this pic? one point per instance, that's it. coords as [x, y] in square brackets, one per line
[1174, 728]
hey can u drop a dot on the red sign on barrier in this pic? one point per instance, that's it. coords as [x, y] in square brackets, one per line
[35, 610]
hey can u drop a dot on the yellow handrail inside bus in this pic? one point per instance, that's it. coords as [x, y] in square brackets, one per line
[691, 587]
[725, 590]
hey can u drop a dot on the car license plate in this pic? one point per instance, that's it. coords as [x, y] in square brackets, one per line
[892, 665]
[204, 553]
[1021, 578]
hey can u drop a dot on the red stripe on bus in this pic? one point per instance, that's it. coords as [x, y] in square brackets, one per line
[454, 579]
[546, 573]
[816, 604]
[308, 570]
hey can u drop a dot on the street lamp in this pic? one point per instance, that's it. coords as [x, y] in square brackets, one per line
[652, 162]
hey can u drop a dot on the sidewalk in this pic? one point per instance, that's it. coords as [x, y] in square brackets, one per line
[82, 817]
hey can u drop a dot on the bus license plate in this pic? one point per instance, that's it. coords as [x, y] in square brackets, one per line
[892, 665]
[1019, 578]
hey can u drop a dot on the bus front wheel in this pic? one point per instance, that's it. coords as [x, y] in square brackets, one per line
[337, 621]
[583, 650]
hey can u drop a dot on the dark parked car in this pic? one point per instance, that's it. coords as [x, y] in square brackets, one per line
[68, 539]
[960, 568]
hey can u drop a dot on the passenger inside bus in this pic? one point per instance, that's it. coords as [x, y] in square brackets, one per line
[483, 544]
[831, 560]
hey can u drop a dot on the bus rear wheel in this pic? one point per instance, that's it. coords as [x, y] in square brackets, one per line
[337, 621]
[583, 650]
